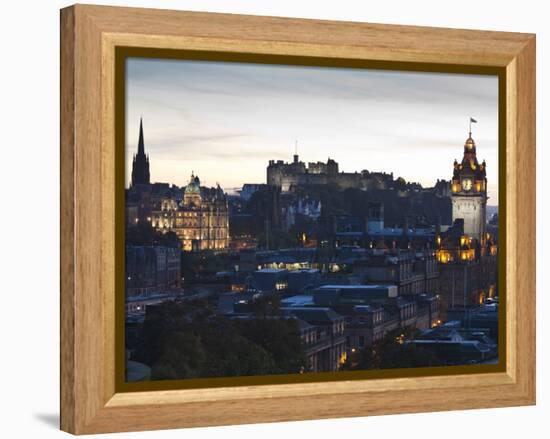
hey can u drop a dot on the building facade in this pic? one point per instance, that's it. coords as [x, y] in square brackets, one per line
[469, 192]
[200, 219]
[323, 338]
[412, 271]
[151, 270]
[467, 252]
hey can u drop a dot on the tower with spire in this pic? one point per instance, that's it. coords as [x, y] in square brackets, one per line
[469, 191]
[140, 163]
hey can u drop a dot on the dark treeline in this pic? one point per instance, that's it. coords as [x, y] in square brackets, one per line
[187, 340]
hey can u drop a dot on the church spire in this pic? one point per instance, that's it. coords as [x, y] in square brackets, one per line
[140, 165]
[141, 145]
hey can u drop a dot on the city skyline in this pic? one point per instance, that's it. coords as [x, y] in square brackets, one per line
[316, 266]
[209, 117]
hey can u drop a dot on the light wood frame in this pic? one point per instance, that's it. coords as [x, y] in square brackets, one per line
[89, 36]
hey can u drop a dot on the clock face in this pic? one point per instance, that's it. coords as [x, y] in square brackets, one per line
[467, 184]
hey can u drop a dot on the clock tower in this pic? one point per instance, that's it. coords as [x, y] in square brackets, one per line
[469, 192]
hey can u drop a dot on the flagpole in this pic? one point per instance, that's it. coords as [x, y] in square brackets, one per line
[474, 121]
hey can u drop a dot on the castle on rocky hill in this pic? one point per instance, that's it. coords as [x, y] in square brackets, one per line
[288, 175]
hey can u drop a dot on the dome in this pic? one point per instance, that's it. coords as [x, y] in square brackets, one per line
[193, 188]
[469, 145]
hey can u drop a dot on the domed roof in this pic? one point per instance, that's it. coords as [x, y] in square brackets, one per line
[194, 186]
[469, 145]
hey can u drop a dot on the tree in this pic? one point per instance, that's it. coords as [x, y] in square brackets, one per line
[186, 340]
[264, 306]
[281, 338]
[392, 352]
[143, 233]
[182, 357]
[230, 354]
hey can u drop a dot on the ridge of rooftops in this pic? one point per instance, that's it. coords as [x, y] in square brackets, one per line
[353, 287]
[271, 270]
[391, 231]
[313, 313]
[155, 296]
[284, 270]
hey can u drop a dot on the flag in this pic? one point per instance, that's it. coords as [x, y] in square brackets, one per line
[472, 120]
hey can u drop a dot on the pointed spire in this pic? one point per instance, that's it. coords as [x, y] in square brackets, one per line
[141, 145]
[140, 166]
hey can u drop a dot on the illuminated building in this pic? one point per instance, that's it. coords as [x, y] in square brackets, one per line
[200, 219]
[467, 254]
[469, 192]
[455, 246]
[198, 215]
[468, 275]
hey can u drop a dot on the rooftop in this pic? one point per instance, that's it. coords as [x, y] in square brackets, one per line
[353, 287]
[297, 301]
[271, 270]
[313, 314]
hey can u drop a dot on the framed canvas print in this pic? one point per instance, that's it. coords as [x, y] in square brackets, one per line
[268, 219]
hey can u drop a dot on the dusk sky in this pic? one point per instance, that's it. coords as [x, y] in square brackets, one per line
[224, 121]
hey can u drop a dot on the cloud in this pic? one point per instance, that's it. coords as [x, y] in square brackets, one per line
[241, 115]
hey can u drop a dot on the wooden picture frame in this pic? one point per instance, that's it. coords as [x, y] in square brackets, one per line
[90, 36]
